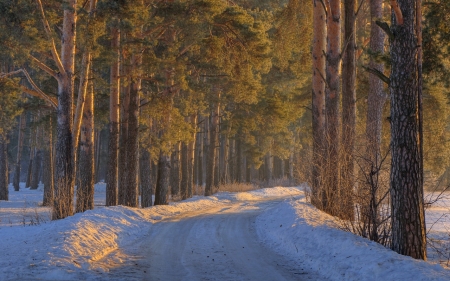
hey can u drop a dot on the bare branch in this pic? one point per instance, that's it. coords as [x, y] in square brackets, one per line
[37, 92]
[379, 74]
[48, 32]
[44, 67]
[397, 12]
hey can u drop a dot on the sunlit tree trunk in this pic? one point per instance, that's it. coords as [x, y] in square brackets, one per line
[407, 209]
[318, 100]
[330, 196]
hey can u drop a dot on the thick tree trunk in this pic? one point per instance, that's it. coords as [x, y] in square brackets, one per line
[20, 137]
[162, 183]
[146, 179]
[49, 186]
[112, 177]
[318, 101]
[85, 187]
[407, 209]
[349, 112]
[330, 196]
[64, 171]
[4, 192]
[37, 163]
[123, 146]
[211, 161]
[131, 195]
[269, 167]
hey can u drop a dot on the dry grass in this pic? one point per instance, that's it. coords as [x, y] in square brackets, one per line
[237, 187]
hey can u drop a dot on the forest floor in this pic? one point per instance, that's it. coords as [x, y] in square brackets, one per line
[267, 234]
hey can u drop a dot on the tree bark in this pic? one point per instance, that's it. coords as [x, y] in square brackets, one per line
[37, 163]
[191, 156]
[184, 172]
[162, 183]
[64, 171]
[146, 179]
[318, 101]
[349, 112]
[176, 170]
[85, 187]
[48, 171]
[114, 120]
[331, 186]
[4, 192]
[407, 209]
[211, 161]
[20, 137]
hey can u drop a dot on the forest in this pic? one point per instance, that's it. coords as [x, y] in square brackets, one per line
[166, 99]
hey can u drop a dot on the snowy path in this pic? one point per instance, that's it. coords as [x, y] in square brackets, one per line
[216, 244]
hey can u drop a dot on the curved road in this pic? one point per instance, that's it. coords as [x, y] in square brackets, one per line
[215, 244]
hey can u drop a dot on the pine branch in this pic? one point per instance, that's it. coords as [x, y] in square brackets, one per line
[397, 12]
[48, 32]
[379, 74]
[41, 94]
[44, 67]
[383, 25]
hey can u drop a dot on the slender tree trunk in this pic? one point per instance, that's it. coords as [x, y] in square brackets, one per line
[4, 192]
[318, 101]
[162, 183]
[112, 177]
[239, 160]
[184, 172]
[211, 161]
[64, 171]
[176, 170]
[123, 144]
[85, 187]
[191, 156]
[269, 167]
[407, 209]
[37, 163]
[205, 148]
[348, 112]
[146, 179]
[16, 179]
[30, 167]
[375, 103]
[331, 194]
[48, 170]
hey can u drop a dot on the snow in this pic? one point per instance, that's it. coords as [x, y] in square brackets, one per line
[87, 246]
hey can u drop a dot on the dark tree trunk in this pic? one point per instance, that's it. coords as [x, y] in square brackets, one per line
[20, 137]
[175, 170]
[131, 195]
[112, 177]
[162, 183]
[30, 168]
[184, 172]
[4, 192]
[407, 209]
[238, 165]
[211, 161]
[49, 186]
[37, 163]
[123, 147]
[85, 187]
[146, 179]
[348, 112]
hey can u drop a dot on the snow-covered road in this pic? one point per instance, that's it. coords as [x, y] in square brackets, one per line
[217, 244]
